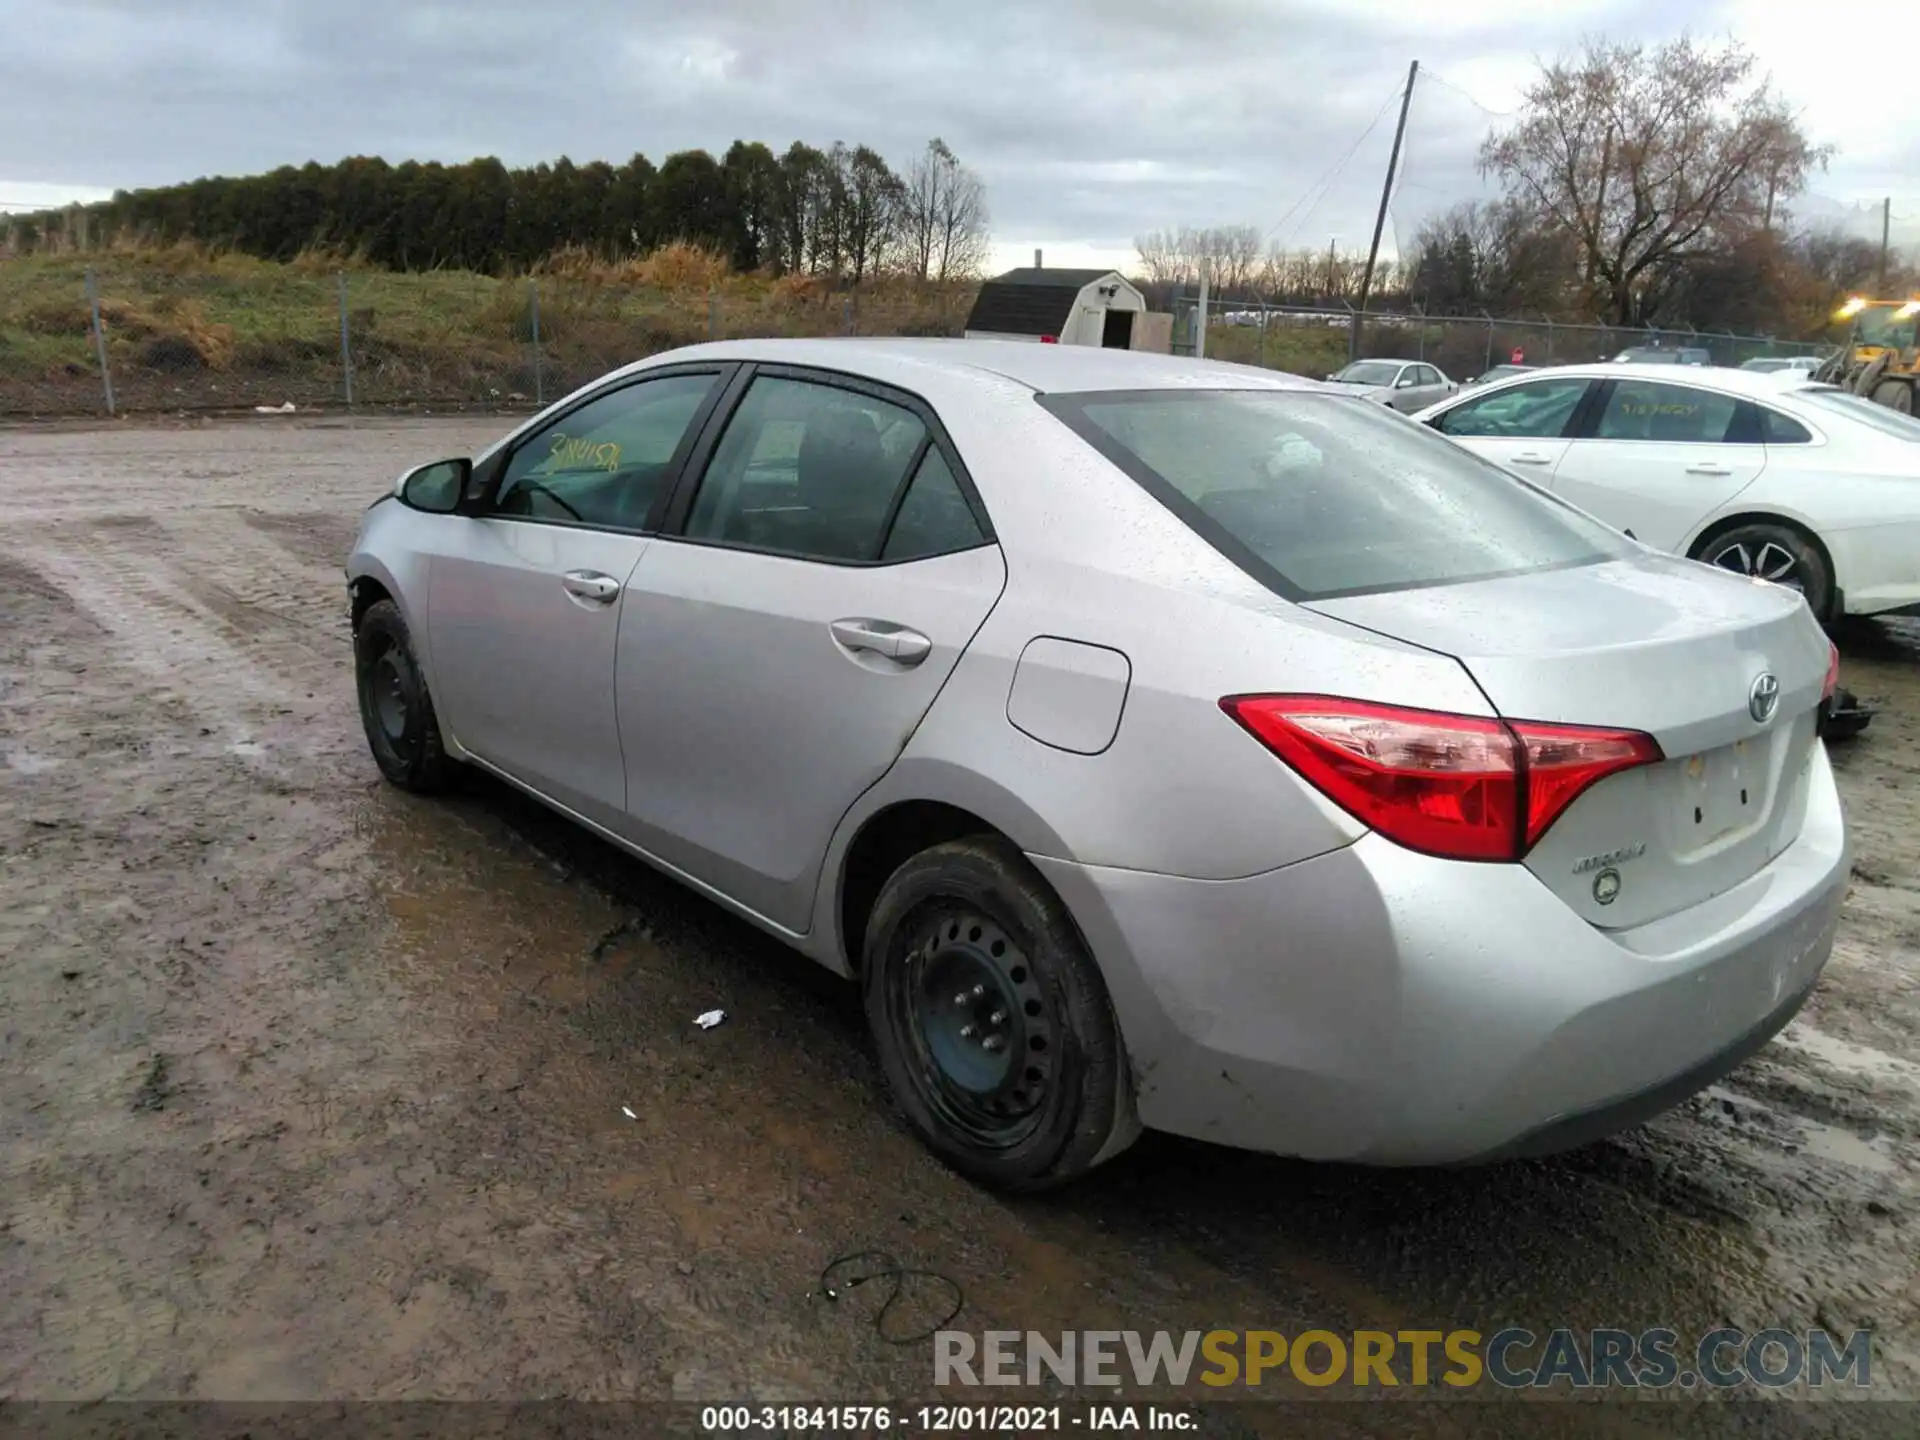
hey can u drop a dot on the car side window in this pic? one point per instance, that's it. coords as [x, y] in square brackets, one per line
[1425, 375]
[934, 518]
[806, 469]
[1537, 410]
[1654, 410]
[604, 463]
[1778, 429]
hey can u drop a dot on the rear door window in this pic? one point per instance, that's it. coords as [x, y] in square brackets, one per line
[1318, 497]
[1675, 414]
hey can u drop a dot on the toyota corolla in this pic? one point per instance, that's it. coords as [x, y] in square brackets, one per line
[1156, 742]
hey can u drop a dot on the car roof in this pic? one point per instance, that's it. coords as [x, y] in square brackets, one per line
[1712, 377]
[1045, 368]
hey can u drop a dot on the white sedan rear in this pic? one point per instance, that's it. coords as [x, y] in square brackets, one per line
[1802, 484]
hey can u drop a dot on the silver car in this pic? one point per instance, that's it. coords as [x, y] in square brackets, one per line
[1157, 742]
[1406, 385]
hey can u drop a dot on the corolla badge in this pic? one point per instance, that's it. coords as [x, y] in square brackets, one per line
[1763, 696]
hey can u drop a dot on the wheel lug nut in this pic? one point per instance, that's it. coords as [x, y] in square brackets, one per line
[999, 1017]
[961, 999]
[966, 1032]
[992, 1042]
[979, 992]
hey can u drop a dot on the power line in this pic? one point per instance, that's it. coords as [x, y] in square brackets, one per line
[1469, 97]
[1325, 183]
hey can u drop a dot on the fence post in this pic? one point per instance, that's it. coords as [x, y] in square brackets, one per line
[1489, 365]
[713, 315]
[846, 313]
[1420, 321]
[346, 350]
[539, 379]
[99, 337]
[1200, 314]
[1263, 334]
[1549, 339]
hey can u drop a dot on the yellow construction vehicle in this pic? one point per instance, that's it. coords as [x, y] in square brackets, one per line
[1881, 358]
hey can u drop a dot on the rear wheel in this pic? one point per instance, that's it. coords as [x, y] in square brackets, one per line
[1895, 395]
[395, 706]
[993, 1025]
[1767, 550]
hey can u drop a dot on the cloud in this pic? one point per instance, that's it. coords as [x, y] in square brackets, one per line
[1090, 120]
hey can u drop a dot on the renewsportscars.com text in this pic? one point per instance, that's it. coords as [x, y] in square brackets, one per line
[1512, 1358]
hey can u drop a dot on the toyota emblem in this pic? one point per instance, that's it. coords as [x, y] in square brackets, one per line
[1764, 696]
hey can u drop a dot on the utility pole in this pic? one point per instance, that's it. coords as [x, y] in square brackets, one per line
[1886, 232]
[1380, 220]
[1333, 242]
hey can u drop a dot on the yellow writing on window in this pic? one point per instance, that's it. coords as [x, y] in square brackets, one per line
[571, 452]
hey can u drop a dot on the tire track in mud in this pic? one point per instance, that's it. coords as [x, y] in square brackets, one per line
[214, 613]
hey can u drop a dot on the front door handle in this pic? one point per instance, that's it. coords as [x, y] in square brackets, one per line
[591, 585]
[1708, 470]
[883, 637]
[1531, 457]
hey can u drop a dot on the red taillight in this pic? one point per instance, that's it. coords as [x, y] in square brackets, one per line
[1466, 787]
[1833, 672]
[1049, 339]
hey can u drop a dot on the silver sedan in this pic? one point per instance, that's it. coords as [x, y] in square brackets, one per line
[1406, 385]
[1157, 743]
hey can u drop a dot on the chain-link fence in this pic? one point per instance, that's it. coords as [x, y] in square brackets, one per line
[128, 338]
[1316, 341]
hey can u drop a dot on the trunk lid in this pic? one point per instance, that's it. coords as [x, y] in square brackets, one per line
[1658, 645]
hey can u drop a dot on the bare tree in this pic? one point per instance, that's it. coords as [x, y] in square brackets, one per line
[871, 195]
[1649, 158]
[943, 216]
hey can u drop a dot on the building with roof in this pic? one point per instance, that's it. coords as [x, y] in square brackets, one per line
[1061, 307]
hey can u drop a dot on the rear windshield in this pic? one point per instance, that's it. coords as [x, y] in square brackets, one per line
[1317, 496]
[1845, 402]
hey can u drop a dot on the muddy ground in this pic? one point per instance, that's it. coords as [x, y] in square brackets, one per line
[312, 1089]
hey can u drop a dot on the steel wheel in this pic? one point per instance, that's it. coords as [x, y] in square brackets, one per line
[388, 696]
[983, 1035]
[395, 709]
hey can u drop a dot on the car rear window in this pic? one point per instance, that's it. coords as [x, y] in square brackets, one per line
[1318, 497]
[1844, 402]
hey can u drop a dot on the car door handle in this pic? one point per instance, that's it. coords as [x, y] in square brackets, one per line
[590, 585]
[882, 637]
[1708, 470]
[1532, 457]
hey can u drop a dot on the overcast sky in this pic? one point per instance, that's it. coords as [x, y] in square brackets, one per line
[1089, 122]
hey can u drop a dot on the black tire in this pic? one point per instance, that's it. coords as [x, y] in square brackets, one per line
[395, 706]
[974, 912]
[1776, 552]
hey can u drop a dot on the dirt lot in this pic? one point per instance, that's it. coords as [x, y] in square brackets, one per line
[310, 1089]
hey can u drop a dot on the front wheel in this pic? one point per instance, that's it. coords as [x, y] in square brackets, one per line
[993, 1025]
[395, 706]
[1778, 553]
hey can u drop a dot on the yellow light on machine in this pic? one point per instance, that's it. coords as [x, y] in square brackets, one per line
[1908, 310]
[1855, 304]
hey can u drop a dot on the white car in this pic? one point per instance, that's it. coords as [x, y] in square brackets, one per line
[1770, 475]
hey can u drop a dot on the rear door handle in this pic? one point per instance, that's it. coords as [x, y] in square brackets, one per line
[1531, 457]
[883, 637]
[591, 585]
[1708, 470]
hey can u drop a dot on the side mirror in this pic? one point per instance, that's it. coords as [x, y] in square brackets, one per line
[436, 488]
[1405, 382]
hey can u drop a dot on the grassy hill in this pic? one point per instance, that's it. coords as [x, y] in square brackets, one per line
[191, 330]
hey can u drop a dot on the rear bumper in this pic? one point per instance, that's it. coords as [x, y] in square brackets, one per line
[1378, 1006]
[1877, 567]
